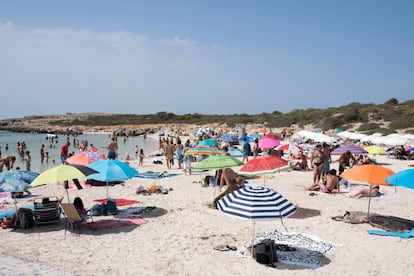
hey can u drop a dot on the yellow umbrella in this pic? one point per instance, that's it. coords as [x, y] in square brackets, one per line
[374, 150]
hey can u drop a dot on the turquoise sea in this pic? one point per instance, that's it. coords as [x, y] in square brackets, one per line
[35, 140]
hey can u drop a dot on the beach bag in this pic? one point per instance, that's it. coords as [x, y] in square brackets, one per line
[24, 218]
[111, 208]
[98, 210]
[265, 252]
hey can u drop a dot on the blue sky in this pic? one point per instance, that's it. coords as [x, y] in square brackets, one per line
[208, 57]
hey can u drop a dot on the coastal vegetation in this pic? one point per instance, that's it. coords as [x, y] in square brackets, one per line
[385, 118]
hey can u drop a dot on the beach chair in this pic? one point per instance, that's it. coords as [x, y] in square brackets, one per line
[46, 210]
[73, 219]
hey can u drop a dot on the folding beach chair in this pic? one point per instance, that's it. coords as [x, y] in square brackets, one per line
[72, 217]
[46, 210]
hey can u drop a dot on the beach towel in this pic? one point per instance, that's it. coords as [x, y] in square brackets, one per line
[11, 212]
[115, 223]
[304, 250]
[156, 175]
[403, 235]
[119, 201]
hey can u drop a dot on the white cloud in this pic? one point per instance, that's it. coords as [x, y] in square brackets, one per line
[179, 41]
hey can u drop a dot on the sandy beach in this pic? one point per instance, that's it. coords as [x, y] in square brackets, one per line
[179, 237]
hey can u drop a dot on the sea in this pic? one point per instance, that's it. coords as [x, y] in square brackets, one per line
[33, 141]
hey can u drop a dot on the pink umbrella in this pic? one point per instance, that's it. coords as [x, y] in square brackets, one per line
[269, 141]
[85, 158]
[289, 147]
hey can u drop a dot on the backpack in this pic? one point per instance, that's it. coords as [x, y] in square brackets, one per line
[265, 252]
[111, 208]
[98, 210]
[24, 218]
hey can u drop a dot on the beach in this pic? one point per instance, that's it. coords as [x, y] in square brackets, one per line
[179, 237]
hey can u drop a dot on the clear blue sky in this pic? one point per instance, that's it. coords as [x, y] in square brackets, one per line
[208, 57]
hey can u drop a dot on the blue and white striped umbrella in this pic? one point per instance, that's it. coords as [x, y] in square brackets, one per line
[256, 203]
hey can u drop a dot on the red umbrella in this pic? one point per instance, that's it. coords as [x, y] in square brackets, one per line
[269, 141]
[264, 165]
[85, 158]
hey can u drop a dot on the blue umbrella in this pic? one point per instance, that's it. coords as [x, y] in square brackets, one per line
[16, 181]
[227, 138]
[248, 138]
[403, 178]
[256, 203]
[111, 170]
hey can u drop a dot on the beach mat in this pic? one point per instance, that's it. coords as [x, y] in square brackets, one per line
[304, 250]
[115, 223]
[119, 201]
[403, 235]
[387, 223]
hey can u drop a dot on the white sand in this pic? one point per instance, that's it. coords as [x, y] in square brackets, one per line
[181, 241]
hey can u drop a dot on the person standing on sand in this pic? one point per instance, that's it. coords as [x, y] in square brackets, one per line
[112, 149]
[169, 154]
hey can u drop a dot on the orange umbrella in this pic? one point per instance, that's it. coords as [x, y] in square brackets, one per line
[368, 174]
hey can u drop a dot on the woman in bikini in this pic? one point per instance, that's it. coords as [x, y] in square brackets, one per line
[317, 161]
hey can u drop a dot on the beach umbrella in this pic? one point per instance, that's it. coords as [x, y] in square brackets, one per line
[16, 181]
[218, 162]
[269, 141]
[208, 143]
[263, 165]
[110, 171]
[354, 149]
[247, 138]
[256, 203]
[374, 150]
[289, 147]
[60, 174]
[368, 174]
[201, 151]
[227, 138]
[85, 158]
[403, 178]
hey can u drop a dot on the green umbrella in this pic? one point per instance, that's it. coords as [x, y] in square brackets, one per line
[374, 149]
[218, 162]
[208, 143]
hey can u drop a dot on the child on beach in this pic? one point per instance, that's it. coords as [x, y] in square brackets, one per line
[141, 157]
[187, 164]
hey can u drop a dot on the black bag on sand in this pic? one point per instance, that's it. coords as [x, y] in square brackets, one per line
[24, 218]
[111, 208]
[265, 252]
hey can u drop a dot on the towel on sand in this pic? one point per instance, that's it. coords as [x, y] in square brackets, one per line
[119, 201]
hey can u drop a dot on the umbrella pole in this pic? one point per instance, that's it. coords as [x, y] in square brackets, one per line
[254, 228]
[67, 195]
[107, 189]
[369, 204]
